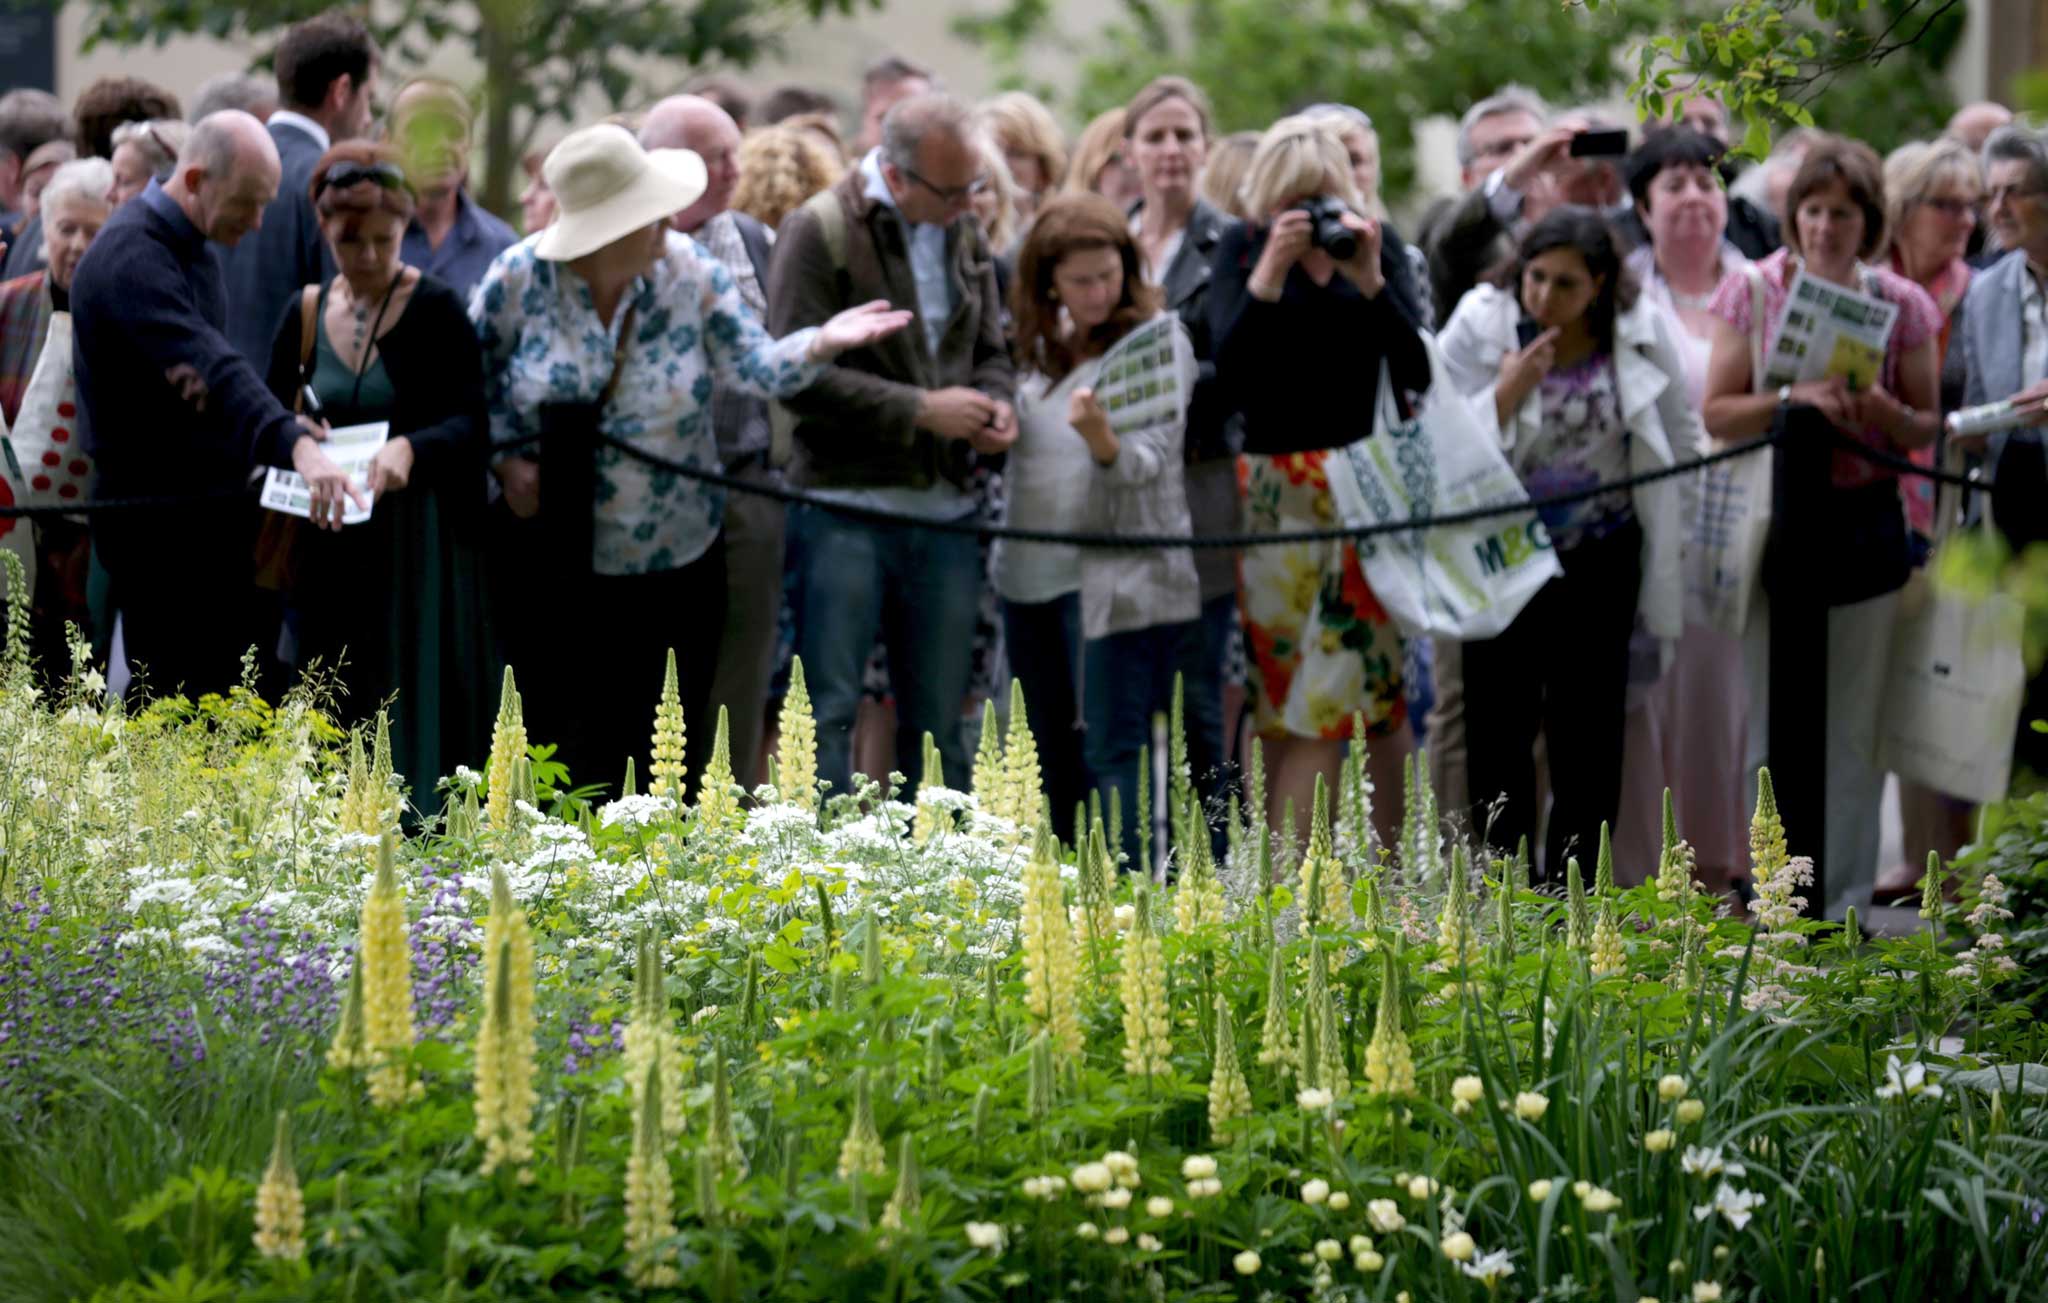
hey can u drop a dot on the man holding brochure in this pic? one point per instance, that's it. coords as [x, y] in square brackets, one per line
[173, 411]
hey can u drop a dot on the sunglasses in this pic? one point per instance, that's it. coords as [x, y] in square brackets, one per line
[343, 176]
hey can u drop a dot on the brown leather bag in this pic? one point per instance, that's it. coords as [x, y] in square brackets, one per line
[277, 540]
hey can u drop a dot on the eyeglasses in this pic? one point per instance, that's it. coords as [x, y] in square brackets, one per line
[951, 194]
[1950, 207]
[1997, 193]
[344, 175]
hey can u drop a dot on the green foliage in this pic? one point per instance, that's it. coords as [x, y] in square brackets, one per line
[1864, 69]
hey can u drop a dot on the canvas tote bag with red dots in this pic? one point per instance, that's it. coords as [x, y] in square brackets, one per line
[47, 442]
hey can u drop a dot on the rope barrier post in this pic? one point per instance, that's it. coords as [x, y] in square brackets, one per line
[1798, 595]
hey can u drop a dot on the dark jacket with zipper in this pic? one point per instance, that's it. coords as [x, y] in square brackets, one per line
[1214, 433]
[857, 426]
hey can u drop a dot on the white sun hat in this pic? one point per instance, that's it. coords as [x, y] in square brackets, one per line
[607, 187]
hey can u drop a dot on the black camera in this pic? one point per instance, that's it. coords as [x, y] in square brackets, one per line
[1326, 230]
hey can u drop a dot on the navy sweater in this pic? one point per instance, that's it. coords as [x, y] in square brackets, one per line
[148, 310]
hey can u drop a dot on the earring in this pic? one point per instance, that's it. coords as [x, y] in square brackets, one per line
[1054, 295]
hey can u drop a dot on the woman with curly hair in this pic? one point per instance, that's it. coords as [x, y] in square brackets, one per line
[780, 167]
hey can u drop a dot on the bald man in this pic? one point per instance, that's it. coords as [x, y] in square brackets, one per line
[1974, 123]
[754, 525]
[172, 409]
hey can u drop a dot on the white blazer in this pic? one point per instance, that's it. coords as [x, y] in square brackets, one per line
[1649, 373]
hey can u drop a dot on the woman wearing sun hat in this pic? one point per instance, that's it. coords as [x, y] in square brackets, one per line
[605, 327]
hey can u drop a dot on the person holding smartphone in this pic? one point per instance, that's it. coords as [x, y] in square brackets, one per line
[1585, 384]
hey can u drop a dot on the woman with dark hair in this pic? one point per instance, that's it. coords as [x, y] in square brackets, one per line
[1121, 623]
[1686, 729]
[393, 607]
[1836, 212]
[1585, 385]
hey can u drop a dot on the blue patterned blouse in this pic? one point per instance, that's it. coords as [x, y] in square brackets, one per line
[543, 342]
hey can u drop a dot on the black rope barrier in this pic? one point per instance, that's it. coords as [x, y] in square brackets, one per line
[1120, 542]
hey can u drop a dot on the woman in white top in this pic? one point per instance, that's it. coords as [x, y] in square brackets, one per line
[1583, 382]
[1102, 413]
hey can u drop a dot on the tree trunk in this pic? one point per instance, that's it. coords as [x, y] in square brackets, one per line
[501, 80]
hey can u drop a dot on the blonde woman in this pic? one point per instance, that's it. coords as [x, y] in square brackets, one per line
[1229, 158]
[780, 167]
[1000, 205]
[1362, 146]
[1299, 337]
[1100, 164]
[1031, 144]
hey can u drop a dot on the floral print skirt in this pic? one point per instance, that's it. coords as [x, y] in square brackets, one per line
[1319, 644]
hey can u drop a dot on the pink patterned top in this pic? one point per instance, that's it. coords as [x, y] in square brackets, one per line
[1918, 322]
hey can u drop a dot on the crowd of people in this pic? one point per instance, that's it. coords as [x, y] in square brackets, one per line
[932, 325]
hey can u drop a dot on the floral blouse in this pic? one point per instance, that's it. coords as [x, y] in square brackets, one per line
[543, 342]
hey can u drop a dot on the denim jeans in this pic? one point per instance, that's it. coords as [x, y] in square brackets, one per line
[919, 589]
[1126, 679]
[1044, 644]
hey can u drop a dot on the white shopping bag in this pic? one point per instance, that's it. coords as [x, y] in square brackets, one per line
[1727, 514]
[47, 440]
[17, 533]
[1956, 683]
[1459, 581]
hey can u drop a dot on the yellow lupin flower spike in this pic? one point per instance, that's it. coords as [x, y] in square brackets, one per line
[505, 1095]
[1326, 896]
[716, 805]
[665, 772]
[280, 1205]
[1389, 1066]
[1197, 896]
[355, 816]
[1052, 967]
[1229, 1097]
[651, 1034]
[1276, 1045]
[508, 744]
[796, 750]
[861, 1151]
[987, 777]
[650, 1194]
[1148, 1046]
[348, 1051]
[1023, 793]
[385, 955]
[384, 801]
[930, 820]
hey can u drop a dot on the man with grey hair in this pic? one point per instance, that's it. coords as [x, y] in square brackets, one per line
[29, 119]
[173, 410]
[253, 94]
[887, 82]
[895, 427]
[754, 524]
[2004, 332]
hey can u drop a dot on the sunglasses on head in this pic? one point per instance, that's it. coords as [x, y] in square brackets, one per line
[342, 176]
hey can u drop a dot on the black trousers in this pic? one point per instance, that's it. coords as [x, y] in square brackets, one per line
[187, 596]
[1561, 668]
[588, 652]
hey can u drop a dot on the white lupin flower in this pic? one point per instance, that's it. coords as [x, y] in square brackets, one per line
[1911, 1081]
[1196, 1167]
[1708, 1164]
[1733, 1204]
[1246, 1263]
[1384, 1215]
[1315, 1191]
[1314, 1100]
[1159, 1206]
[1671, 1086]
[985, 1235]
[1489, 1268]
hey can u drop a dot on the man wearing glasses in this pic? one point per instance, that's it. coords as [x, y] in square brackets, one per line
[895, 427]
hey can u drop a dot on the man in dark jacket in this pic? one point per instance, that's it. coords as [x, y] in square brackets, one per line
[754, 524]
[894, 427]
[326, 77]
[173, 410]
